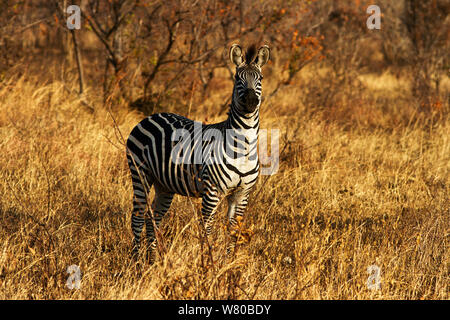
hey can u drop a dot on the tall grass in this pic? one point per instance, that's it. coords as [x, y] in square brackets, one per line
[363, 182]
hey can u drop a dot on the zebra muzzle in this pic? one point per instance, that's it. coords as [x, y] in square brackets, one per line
[251, 100]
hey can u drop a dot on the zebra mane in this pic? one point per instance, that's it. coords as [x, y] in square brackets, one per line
[250, 54]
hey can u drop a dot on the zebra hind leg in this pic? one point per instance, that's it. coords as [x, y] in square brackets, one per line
[160, 205]
[141, 186]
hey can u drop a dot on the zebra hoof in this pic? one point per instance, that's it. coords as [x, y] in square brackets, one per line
[135, 252]
[150, 257]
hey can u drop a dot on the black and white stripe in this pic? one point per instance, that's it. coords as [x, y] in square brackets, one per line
[207, 161]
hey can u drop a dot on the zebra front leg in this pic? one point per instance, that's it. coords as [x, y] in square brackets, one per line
[160, 205]
[210, 200]
[237, 203]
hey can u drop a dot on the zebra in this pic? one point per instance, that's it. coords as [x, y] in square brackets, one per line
[151, 146]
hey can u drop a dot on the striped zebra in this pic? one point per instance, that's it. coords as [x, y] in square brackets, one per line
[177, 155]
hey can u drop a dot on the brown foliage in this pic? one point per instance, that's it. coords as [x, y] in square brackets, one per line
[364, 171]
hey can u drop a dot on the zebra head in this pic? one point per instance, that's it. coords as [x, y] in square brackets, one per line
[247, 85]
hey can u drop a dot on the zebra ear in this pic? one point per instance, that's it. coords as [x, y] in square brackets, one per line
[236, 54]
[263, 56]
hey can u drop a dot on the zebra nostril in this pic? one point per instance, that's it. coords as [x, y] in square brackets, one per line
[250, 92]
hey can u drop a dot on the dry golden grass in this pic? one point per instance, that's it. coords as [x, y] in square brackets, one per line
[359, 185]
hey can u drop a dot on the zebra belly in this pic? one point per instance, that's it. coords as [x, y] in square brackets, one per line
[182, 179]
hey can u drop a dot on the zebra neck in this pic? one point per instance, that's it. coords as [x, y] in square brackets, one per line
[239, 121]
